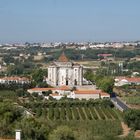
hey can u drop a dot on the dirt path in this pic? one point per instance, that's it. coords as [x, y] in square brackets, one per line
[97, 113]
[126, 130]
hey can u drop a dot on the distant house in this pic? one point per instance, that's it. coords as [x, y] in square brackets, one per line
[104, 55]
[104, 95]
[15, 79]
[65, 91]
[86, 94]
[62, 90]
[90, 94]
[57, 92]
[120, 81]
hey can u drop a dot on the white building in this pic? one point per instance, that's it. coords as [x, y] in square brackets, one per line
[86, 94]
[120, 81]
[65, 91]
[17, 80]
[64, 72]
[89, 94]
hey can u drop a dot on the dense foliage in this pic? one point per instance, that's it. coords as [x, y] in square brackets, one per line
[105, 83]
[132, 118]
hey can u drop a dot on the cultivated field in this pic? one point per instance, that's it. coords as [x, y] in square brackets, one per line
[134, 100]
[83, 113]
[99, 121]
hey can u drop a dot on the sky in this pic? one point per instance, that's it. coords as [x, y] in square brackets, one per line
[69, 20]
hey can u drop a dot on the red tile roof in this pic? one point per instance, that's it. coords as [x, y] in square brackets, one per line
[47, 89]
[42, 89]
[105, 55]
[64, 88]
[130, 79]
[104, 94]
[63, 58]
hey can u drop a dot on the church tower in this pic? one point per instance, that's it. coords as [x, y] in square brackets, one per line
[63, 72]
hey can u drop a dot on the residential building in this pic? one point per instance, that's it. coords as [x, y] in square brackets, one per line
[65, 91]
[120, 81]
[17, 80]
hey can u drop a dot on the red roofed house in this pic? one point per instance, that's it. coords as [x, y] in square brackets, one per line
[60, 92]
[15, 79]
[120, 81]
[57, 93]
[105, 55]
[90, 94]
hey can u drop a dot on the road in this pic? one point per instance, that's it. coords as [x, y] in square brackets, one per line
[119, 104]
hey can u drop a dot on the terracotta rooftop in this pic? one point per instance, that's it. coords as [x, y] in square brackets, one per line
[64, 88]
[47, 89]
[42, 89]
[104, 94]
[63, 58]
[105, 55]
[129, 79]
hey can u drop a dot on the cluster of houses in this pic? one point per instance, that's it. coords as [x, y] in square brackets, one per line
[63, 75]
[66, 91]
[15, 79]
[57, 92]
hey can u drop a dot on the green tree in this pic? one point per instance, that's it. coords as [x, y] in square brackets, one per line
[89, 75]
[15, 70]
[47, 93]
[62, 133]
[106, 84]
[8, 59]
[33, 129]
[132, 118]
[38, 75]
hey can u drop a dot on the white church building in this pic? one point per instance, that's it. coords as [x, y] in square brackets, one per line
[64, 72]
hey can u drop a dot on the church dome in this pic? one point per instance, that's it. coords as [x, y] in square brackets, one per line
[63, 58]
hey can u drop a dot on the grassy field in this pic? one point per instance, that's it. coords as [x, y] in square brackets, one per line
[89, 63]
[135, 100]
[7, 94]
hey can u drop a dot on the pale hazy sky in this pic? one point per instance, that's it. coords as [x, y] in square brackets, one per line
[69, 20]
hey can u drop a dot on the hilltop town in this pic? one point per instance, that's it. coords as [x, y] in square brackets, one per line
[62, 85]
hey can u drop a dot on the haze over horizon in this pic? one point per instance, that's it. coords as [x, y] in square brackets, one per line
[69, 21]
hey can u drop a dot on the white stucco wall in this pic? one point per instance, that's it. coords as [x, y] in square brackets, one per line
[87, 96]
[60, 72]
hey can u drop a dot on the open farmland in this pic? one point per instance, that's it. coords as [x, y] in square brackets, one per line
[97, 117]
[134, 100]
[82, 113]
[98, 120]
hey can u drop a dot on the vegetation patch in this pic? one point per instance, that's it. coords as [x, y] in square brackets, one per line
[135, 100]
